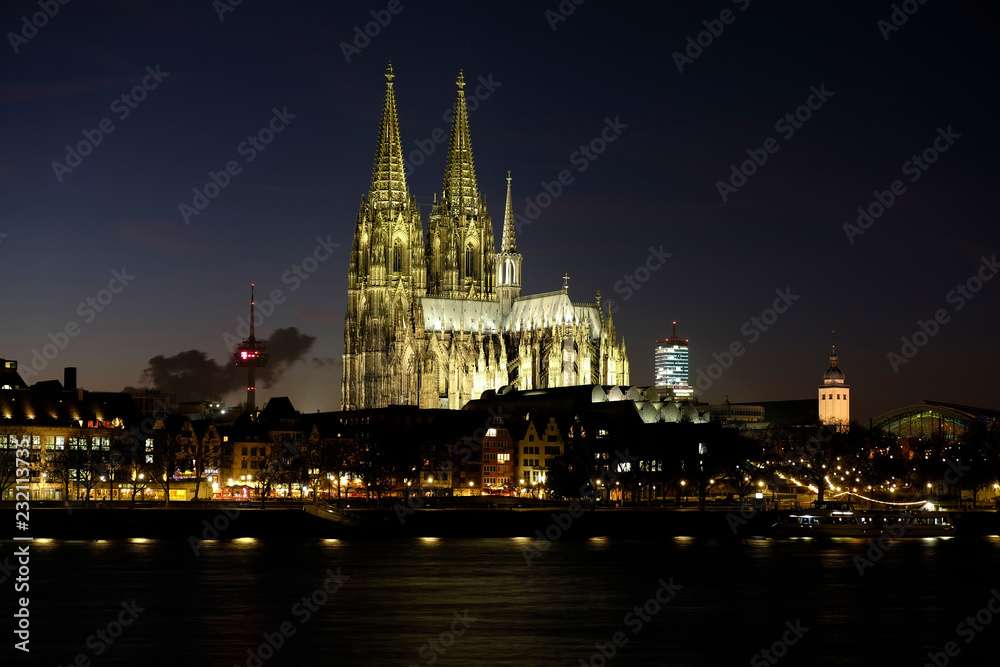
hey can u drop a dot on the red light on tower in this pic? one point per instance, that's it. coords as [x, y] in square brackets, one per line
[251, 354]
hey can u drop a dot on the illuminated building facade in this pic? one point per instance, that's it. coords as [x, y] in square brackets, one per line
[670, 368]
[835, 396]
[536, 450]
[498, 459]
[436, 321]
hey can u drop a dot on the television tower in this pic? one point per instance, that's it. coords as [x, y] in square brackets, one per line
[251, 354]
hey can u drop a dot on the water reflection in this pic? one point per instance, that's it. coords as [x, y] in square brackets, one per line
[395, 597]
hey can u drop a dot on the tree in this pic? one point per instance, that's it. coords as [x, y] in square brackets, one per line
[274, 464]
[137, 478]
[382, 456]
[171, 446]
[9, 442]
[809, 453]
[206, 456]
[978, 452]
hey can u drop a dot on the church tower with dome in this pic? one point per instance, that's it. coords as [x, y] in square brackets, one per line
[835, 396]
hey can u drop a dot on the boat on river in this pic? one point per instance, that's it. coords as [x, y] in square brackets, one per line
[840, 519]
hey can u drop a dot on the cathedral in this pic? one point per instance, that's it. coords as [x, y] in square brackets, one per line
[435, 321]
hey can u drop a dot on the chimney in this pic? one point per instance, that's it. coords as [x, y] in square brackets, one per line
[69, 377]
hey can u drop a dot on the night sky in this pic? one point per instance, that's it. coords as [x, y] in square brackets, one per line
[540, 89]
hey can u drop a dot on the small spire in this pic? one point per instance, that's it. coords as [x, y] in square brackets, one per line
[508, 242]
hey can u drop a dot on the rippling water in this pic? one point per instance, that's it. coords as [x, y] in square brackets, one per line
[734, 600]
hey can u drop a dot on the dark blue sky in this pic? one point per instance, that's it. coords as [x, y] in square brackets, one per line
[550, 92]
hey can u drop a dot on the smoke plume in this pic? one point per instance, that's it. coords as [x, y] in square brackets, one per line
[192, 375]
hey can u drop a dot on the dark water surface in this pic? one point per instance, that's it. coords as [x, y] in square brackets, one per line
[734, 599]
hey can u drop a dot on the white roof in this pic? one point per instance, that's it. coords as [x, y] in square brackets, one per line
[448, 315]
[537, 311]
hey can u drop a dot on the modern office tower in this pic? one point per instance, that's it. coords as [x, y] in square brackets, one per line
[670, 368]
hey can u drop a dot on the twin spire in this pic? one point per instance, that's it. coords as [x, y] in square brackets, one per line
[460, 172]
[388, 189]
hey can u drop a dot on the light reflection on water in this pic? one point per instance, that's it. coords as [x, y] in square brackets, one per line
[734, 600]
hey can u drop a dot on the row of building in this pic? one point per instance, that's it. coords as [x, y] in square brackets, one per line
[122, 446]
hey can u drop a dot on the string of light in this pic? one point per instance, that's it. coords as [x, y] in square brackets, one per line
[882, 502]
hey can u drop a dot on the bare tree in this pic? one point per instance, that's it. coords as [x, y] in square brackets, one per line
[206, 456]
[9, 443]
[168, 450]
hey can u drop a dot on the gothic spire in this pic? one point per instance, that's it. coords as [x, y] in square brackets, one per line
[460, 174]
[388, 177]
[509, 242]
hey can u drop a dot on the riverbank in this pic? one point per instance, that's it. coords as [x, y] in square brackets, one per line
[555, 522]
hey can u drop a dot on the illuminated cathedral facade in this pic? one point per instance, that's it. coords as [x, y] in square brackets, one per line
[435, 321]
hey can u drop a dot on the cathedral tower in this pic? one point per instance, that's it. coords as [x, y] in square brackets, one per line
[460, 244]
[386, 272]
[436, 322]
[834, 396]
[508, 262]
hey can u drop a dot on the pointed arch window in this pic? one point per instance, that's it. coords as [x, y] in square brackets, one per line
[469, 261]
[397, 257]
